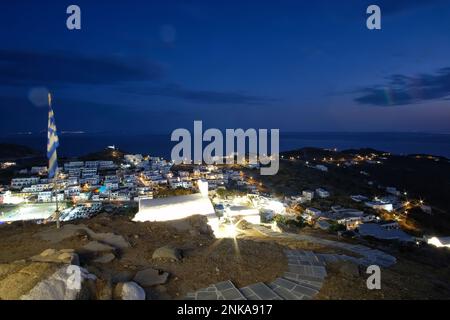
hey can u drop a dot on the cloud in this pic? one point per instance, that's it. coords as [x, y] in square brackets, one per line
[202, 96]
[75, 115]
[404, 90]
[31, 68]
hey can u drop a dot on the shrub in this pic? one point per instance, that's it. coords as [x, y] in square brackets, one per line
[298, 222]
[336, 227]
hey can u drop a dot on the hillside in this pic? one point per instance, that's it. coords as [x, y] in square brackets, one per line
[106, 154]
[13, 151]
[114, 252]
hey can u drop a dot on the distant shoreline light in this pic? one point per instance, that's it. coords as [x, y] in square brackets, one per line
[29, 133]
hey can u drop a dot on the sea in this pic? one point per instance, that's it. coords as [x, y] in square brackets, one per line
[76, 144]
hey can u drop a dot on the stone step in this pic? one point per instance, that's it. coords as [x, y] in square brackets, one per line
[305, 261]
[316, 283]
[220, 291]
[287, 289]
[259, 291]
[298, 287]
[310, 271]
[311, 284]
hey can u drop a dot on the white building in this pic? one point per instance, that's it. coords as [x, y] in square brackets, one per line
[321, 167]
[174, 208]
[439, 242]
[308, 195]
[72, 191]
[37, 188]
[379, 205]
[92, 181]
[48, 196]
[350, 222]
[359, 198]
[313, 212]
[389, 225]
[111, 185]
[248, 214]
[133, 159]
[322, 193]
[89, 172]
[38, 170]
[111, 179]
[73, 165]
[19, 183]
[91, 164]
[9, 198]
[104, 165]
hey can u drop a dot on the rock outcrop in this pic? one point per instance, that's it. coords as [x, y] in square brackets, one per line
[167, 252]
[150, 277]
[128, 291]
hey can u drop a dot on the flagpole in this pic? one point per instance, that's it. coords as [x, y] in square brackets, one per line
[55, 189]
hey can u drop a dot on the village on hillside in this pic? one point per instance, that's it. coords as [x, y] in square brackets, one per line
[313, 226]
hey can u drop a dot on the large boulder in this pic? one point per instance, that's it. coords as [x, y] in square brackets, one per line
[95, 246]
[18, 279]
[106, 258]
[123, 276]
[67, 256]
[129, 291]
[54, 235]
[69, 230]
[111, 239]
[150, 277]
[67, 283]
[167, 252]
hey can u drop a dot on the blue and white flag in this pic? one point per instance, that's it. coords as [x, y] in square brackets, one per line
[52, 141]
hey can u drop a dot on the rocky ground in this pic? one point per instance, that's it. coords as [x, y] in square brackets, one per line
[121, 259]
[117, 254]
[419, 273]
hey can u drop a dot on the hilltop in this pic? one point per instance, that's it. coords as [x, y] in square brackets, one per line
[13, 151]
[106, 154]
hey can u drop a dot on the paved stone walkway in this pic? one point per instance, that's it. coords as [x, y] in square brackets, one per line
[369, 256]
[303, 280]
[304, 277]
[220, 291]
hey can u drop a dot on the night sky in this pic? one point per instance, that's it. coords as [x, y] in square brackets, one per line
[153, 66]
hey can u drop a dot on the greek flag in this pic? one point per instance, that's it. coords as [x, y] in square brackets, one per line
[52, 141]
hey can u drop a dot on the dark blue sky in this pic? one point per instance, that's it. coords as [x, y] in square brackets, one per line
[153, 66]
